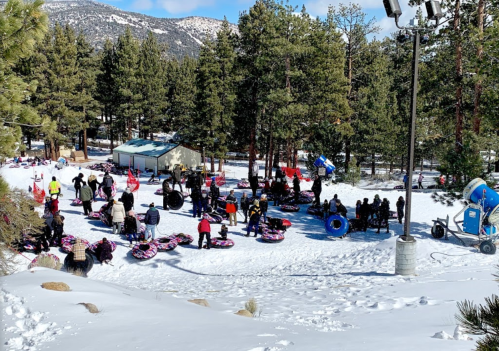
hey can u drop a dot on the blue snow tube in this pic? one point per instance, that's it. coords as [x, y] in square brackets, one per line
[337, 225]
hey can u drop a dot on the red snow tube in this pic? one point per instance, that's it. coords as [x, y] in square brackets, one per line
[165, 243]
[68, 242]
[76, 202]
[286, 223]
[182, 239]
[290, 208]
[273, 236]
[144, 251]
[221, 243]
[34, 263]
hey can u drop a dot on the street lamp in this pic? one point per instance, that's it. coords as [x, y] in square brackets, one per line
[405, 259]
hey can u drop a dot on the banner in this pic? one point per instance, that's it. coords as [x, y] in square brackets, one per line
[220, 180]
[39, 194]
[132, 182]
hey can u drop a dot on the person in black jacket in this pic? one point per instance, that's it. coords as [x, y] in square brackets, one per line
[58, 225]
[177, 177]
[245, 204]
[400, 209]
[317, 189]
[341, 209]
[215, 193]
[384, 214]
[296, 188]
[127, 200]
[264, 207]
[92, 183]
[107, 184]
[365, 211]
[103, 252]
[196, 201]
[77, 180]
[254, 213]
[151, 221]
[166, 192]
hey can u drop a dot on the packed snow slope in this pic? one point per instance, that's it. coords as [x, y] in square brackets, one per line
[313, 293]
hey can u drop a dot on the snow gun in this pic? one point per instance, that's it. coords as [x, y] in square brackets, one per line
[480, 217]
[322, 161]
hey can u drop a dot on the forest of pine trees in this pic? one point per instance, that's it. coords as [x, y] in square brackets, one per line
[284, 82]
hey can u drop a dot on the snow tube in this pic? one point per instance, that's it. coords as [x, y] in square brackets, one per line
[214, 218]
[93, 247]
[70, 265]
[29, 245]
[175, 200]
[165, 243]
[185, 194]
[77, 202]
[154, 182]
[105, 219]
[290, 208]
[34, 263]
[398, 187]
[263, 227]
[221, 243]
[94, 215]
[243, 185]
[27, 167]
[286, 223]
[159, 191]
[182, 239]
[141, 217]
[104, 196]
[68, 242]
[14, 166]
[273, 236]
[315, 211]
[144, 251]
[261, 185]
[393, 215]
[337, 225]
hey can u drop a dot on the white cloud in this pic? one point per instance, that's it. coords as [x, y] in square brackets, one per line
[320, 7]
[181, 6]
[388, 26]
[142, 5]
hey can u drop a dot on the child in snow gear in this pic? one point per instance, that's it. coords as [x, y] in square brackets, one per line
[400, 209]
[54, 204]
[77, 180]
[255, 214]
[204, 201]
[166, 191]
[223, 231]
[420, 181]
[86, 198]
[325, 209]
[58, 225]
[204, 229]
[103, 251]
[245, 204]
[231, 208]
[93, 183]
[296, 188]
[384, 214]
[264, 206]
[54, 187]
[365, 211]
[357, 209]
[132, 227]
[340, 208]
[375, 206]
[151, 220]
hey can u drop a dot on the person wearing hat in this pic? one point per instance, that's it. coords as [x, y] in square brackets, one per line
[77, 180]
[254, 213]
[166, 192]
[86, 198]
[54, 204]
[151, 221]
[118, 215]
[245, 204]
[177, 177]
[132, 227]
[365, 211]
[264, 207]
[127, 200]
[375, 206]
[54, 187]
[79, 257]
[107, 184]
[340, 208]
[253, 178]
[215, 193]
[296, 188]
[231, 208]
[420, 180]
[317, 189]
[384, 214]
[204, 229]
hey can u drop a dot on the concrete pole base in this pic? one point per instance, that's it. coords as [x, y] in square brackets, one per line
[405, 257]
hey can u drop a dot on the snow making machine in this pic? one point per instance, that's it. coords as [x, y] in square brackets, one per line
[480, 217]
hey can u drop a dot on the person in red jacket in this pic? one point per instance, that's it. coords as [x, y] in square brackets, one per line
[54, 204]
[204, 229]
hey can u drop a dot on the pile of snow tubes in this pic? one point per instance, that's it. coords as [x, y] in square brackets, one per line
[68, 242]
[104, 196]
[273, 236]
[221, 243]
[290, 208]
[181, 238]
[165, 243]
[29, 245]
[214, 218]
[315, 211]
[70, 265]
[144, 251]
[93, 247]
[34, 263]
[76, 202]
[337, 225]
[240, 185]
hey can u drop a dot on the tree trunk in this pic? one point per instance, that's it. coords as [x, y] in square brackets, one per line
[277, 157]
[349, 120]
[295, 157]
[288, 153]
[212, 163]
[479, 54]
[52, 150]
[252, 150]
[111, 136]
[271, 151]
[220, 164]
[459, 78]
[391, 166]
[85, 145]
[373, 166]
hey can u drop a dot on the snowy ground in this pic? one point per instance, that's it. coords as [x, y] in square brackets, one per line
[313, 293]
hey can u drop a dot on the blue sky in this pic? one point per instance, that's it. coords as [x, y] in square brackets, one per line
[231, 8]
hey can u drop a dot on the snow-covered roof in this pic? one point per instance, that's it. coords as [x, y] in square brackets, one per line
[145, 147]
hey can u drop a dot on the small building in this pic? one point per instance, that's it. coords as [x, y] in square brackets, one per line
[141, 154]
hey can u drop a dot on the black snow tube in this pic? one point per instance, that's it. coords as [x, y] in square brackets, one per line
[70, 265]
[175, 200]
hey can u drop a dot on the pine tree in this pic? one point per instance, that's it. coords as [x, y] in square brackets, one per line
[183, 96]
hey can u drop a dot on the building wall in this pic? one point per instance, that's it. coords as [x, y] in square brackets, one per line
[180, 154]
